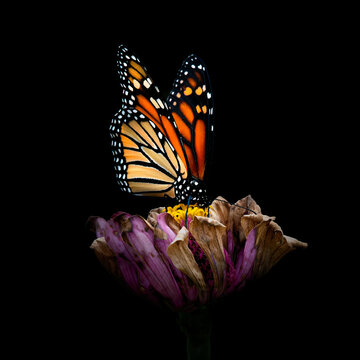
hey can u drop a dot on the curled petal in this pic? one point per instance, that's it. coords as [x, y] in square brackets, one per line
[182, 257]
[270, 243]
[294, 243]
[249, 222]
[249, 203]
[167, 227]
[127, 267]
[152, 217]
[219, 210]
[211, 237]
[141, 239]
[106, 257]
[165, 232]
[236, 214]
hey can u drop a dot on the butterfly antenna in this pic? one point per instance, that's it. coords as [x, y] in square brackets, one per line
[187, 208]
[243, 207]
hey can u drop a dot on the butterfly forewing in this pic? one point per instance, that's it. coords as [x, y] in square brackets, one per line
[191, 105]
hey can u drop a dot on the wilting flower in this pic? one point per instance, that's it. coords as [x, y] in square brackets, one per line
[187, 264]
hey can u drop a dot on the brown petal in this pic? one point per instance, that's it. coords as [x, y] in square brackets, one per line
[236, 214]
[211, 236]
[294, 243]
[271, 245]
[151, 219]
[163, 222]
[249, 203]
[219, 210]
[182, 257]
[248, 222]
[106, 256]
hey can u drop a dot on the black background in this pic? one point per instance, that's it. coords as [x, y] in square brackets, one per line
[273, 112]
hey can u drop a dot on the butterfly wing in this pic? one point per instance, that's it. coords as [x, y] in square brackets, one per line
[146, 162]
[191, 105]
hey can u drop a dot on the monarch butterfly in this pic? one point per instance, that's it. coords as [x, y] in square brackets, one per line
[160, 147]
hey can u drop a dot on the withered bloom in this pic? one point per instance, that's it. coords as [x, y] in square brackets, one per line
[187, 267]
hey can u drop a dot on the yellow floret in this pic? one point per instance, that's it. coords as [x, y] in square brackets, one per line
[178, 212]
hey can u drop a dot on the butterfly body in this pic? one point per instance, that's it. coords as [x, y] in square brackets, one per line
[191, 188]
[160, 147]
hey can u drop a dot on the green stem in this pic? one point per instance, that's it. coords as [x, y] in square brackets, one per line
[196, 326]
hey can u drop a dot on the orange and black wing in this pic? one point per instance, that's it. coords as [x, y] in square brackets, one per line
[191, 106]
[146, 161]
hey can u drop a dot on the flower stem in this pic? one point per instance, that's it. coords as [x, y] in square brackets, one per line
[196, 326]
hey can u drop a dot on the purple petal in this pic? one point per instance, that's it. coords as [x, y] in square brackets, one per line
[112, 234]
[144, 254]
[190, 292]
[248, 256]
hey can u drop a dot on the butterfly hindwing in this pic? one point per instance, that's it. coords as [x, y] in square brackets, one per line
[191, 106]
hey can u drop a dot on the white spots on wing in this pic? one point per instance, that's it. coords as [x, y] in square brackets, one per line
[160, 103]
[154, 102]
[208, 94]
[146, 83]
[136, 84]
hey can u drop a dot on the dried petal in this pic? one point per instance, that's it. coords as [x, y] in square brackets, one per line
[235, 215]
[248, 222]
[271, 245]
[211, 236]
[219, 210]
[106, 256]
[294, 243]
[184, 260]
[165, 232]
[141, 240]
[169, 226]
[128, 268]
[249, 203]
[152, 217]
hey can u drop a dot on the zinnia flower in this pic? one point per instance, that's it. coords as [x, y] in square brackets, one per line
[187, 263]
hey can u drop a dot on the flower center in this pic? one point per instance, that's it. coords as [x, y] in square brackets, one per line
[178, 212]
